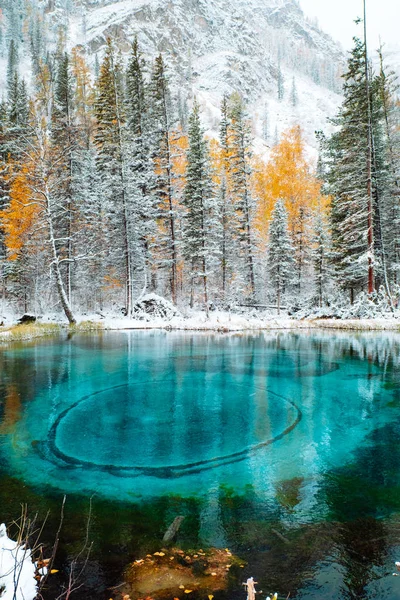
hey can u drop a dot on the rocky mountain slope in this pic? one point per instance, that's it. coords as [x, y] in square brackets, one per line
[284, 66]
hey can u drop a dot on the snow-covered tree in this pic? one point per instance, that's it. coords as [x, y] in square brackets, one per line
[280, 249]
[320, 256]
[110, 142]
[240, 171]
[200, 208]
[293, 93]
[140, 170]
[161, 134]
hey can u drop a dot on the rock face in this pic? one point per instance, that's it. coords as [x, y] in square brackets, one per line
[214, 47]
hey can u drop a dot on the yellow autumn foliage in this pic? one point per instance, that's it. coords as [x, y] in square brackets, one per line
[19, 218]
[287, 175]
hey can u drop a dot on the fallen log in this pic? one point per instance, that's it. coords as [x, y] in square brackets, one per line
[172, 529]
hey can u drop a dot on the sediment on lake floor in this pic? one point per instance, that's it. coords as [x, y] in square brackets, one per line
[175, 573]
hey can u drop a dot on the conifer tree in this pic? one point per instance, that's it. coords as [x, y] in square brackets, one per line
[140, 172]
[293, 94]
[225, 202]
[280, 82]
[198, 202]
[240, 171]
[12, 64]
[110, 142]
[162, 159]
[320, 256]
[64, 137]
[280, 252]
[354, 232]
[386, 91]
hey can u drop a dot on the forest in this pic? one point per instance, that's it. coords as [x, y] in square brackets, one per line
[110, 189]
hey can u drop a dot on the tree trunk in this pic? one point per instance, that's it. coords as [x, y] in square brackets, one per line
[250, 261]
[173, 278]
[370, 232]
[56, 263]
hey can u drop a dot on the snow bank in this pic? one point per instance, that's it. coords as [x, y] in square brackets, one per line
[154, 306]
[224, 321]
[17, 570]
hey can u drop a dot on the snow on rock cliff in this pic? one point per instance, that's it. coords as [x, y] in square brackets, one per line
[214, 47]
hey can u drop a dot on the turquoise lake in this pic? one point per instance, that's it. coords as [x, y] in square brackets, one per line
[283, 447]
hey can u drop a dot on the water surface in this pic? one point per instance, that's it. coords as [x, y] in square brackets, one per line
[283, 447]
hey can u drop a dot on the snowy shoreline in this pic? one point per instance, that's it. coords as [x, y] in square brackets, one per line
[237, 323]
[217, 322]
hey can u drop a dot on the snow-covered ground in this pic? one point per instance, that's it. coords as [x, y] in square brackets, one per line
[224, 321]
[218, 321]
[17, 571]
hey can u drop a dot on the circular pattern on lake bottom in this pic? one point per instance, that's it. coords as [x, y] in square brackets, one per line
[169, 428]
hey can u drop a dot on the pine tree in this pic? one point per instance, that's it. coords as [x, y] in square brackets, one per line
[225, 202]
[240, 172]
[280, 252]
[386, 91]
[266, 124]
[110, 142]
[280, 82]
[96, 66]
[162, 159]
[65, 140]
[354, 231]
[293, 94]
[320, 256]
[140, 172]
[12, 65]
[197, 200]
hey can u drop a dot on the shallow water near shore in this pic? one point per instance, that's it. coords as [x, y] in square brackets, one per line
[283, 447]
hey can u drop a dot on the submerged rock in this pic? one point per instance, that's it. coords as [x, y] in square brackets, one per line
[174, 573]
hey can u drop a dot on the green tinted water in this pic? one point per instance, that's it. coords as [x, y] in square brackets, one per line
[250, 437]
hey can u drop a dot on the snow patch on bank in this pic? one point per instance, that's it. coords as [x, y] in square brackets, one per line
[222, 321]
[17, 570]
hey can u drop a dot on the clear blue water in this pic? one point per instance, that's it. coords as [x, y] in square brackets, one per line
[251, 437]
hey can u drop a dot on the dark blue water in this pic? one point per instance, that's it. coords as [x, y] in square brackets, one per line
[283, 447]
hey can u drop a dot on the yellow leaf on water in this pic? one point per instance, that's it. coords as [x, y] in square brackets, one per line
[54, 571]
[188, 591]
[181, 587]
[210, 597]
[161, 554]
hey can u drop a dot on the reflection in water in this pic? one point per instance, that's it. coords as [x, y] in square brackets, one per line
[208, 426]
[12, 409]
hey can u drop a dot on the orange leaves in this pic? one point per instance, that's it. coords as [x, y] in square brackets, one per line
[19, 217]
[287, 175]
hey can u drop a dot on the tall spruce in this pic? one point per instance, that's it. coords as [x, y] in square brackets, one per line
[280, 250]
[162, 159]
[320, 256]
[348, 176]
[110, 142]
[240, 172]
[225, 201]
[198, 202]
[12, 64]
[65, 141]
[140, 168]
